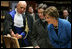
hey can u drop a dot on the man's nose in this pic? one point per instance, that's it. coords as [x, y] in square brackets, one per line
[22, 9]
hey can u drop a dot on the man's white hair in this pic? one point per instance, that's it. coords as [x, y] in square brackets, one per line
[22, 2]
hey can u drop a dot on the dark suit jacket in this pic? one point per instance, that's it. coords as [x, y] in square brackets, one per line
[39, 35]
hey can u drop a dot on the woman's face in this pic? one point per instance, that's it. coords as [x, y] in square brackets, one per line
[49, 19]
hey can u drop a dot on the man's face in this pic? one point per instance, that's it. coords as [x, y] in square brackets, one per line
[65, 13]
[30, 10]
[40, 13]
[21, 8]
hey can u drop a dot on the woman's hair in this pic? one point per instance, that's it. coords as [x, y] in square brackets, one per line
[52, 11]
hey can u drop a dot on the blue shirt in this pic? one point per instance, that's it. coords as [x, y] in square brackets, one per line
[63, 39]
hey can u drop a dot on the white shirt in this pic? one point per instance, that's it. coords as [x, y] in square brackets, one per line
[18, 19]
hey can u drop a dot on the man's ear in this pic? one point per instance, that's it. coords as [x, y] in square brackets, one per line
[17, 5]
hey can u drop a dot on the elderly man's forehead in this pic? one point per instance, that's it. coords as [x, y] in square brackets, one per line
[22, 3]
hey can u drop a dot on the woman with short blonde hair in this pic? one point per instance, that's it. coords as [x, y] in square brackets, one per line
[59, 30]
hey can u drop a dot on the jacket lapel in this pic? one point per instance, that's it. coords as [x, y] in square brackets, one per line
[53, 33]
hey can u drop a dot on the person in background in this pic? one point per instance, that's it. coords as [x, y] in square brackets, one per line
[31, 12]
[66, 15]
[19, 24]
[59, 30]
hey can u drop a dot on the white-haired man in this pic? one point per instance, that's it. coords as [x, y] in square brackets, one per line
[16, 23]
